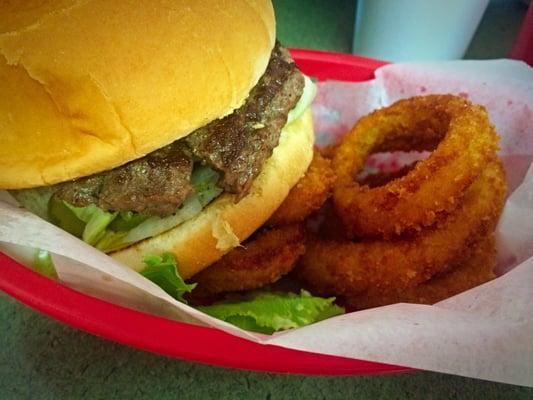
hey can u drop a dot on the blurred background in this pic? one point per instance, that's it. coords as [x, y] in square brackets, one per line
[403, 30]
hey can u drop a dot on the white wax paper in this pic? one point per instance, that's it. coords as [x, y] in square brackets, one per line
[485, 333]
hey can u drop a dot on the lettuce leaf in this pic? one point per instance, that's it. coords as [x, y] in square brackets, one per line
[163, 271]
[268, 312]
[96, 221]
[127, 220]
[62, 216]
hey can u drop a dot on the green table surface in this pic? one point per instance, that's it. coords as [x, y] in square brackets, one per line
[43, 359]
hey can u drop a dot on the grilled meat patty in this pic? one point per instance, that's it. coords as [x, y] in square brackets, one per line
[236, 145]
[239, 144]
[153, 185]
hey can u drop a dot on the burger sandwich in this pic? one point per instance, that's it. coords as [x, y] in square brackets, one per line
[171, 127]
[151, 127]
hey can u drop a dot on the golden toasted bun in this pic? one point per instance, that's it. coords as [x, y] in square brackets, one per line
[87, 86]
[223, 224]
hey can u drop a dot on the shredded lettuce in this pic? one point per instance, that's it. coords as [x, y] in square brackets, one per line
[127, 220]
[62, 216]
[268, 312]
[96, 221]
[163, 271]
[43, 264]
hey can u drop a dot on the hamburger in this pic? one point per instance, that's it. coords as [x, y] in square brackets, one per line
[151, 127]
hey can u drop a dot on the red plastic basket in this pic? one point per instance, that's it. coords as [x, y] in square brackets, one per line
[181, 340]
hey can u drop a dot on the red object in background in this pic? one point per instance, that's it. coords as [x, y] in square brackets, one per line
[178, 339]
[523, 45]
[339, 66]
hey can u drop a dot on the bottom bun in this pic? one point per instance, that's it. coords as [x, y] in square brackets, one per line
[223, 224]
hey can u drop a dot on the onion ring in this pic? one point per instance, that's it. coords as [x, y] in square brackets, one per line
[477, 269]
[262, 260]
[462, 139]
[382, 178]
[308, 195]
[349, 269]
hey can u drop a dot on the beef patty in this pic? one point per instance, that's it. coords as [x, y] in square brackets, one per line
[239, 144]
[153, 185]
[236, 145]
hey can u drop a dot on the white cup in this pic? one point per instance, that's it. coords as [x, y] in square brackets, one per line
[416, 30]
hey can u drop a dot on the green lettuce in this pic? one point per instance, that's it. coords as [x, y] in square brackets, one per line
[163, 271]
[95, 220]
[268, 312]
[63, 216]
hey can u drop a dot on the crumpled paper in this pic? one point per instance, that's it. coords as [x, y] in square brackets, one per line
[484, 333]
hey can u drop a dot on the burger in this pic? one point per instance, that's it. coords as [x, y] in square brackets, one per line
[151, 127]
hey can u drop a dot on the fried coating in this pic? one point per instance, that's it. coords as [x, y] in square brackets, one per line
[262, 260]
[382, 178]
[462, 141]
[329, 150]
[477, 269]
[349, 269]
[308, 195]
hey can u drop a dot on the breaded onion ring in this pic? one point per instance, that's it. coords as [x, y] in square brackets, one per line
[382, 178]
[462, 139]
[477, 269]
[308, 195]
[262, 260]
[349, 269]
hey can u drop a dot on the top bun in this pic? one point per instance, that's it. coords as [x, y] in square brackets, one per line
[87, 86]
